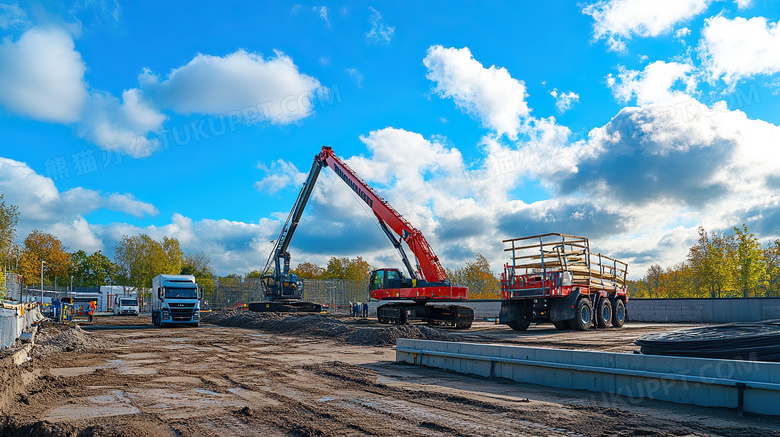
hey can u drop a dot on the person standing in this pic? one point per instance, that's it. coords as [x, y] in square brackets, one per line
[365, 310]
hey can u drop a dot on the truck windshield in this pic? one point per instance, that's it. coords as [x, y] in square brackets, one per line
[129, 302]
[181, 293]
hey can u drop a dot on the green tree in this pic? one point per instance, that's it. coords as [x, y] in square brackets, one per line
[140, 258]
[92, 270]
[173, 254]
[254, 274]
[198, 264]
[713, 262]
[9, 218]
[751, 268]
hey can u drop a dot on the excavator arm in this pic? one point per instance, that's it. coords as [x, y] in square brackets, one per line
[430, 268]
[426, 283]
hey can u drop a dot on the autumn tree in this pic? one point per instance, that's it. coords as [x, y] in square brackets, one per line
[309, 270]
[41, 246]
[478, 276]
[771, 255]
[348, 269]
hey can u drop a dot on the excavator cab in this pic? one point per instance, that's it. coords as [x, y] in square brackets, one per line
[386, 278]
[289, 287]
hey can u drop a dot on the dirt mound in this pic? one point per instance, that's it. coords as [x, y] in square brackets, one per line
[64, 337]
[315, 325]
[387, 335]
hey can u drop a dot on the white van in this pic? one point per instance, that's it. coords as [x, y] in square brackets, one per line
[126, 306]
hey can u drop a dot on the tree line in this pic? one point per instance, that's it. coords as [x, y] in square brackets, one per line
[718, 265]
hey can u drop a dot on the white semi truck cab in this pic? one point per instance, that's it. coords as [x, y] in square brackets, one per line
[175, 300]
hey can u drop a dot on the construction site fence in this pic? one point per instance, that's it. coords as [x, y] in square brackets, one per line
[333, 293]
[16, 319]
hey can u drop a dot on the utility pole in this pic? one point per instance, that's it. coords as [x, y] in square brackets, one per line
[42, 263]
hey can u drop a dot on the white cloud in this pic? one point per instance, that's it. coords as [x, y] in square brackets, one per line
[490, 94]
[740, 48]
[356, 75]
[12, 17]
[42, 206]
[619, 20]
[42, 76]
[232, 246]
[274, 87]
[322, 11]
[380, 33]
[680, 34]
[279, 175]
[656, 83]
[564, 101]
[112, 124]
[743, 4]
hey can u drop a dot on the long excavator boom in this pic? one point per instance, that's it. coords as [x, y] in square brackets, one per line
[429, 266]
[425, 283]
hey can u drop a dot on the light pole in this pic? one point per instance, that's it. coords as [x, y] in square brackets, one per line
[42, 263]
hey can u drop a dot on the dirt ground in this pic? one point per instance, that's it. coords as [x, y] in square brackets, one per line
[122, 376]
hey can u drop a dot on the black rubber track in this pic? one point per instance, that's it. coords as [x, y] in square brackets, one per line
[755, 341]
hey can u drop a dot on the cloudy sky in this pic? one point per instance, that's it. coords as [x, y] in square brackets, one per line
[629, 122]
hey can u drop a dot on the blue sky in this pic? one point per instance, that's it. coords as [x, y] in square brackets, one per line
[628, 122]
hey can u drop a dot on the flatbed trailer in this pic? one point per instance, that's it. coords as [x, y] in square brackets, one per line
[556, 278]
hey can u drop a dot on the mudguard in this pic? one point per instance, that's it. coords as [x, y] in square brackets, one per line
[512, 310]
[564, 308]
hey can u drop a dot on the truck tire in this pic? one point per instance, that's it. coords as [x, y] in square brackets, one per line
[619, 316]
[583, 316]
[604, 313]
[520, 325]
[561, 325]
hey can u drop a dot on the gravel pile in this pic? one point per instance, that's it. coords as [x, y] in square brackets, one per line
[55, 337]
[315, 325]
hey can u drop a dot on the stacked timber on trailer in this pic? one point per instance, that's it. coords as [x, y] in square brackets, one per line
[546, 253]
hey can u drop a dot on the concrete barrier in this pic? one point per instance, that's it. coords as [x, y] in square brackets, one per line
[748, 386]
[703, 310]
[16, 319]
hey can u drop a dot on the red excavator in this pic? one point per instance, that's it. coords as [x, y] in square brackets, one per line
[423, 294]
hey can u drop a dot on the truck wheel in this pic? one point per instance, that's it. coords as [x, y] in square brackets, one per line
[583, 316]
[561, 325]
[604, 313]
[619, 318]
[519, 325]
